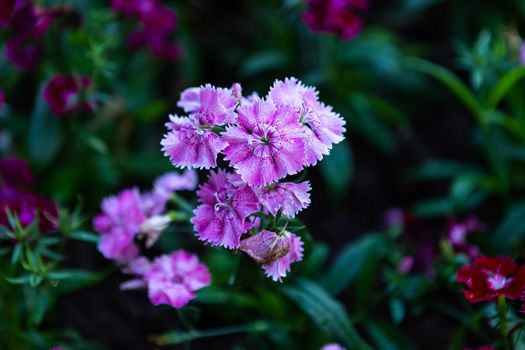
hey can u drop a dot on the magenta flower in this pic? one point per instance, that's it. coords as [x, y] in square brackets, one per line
[335, 16]
[7, 8]
[23, 52]
[31, 21]
[226, 203]
[118, 225]
[2, 99]
[522, 54]
[275, 252]
[322, 126]
[15, 172]
[138, 267]
[27, 207]
[173, 278]
[288, 197]
[63, 94]
[211, 105]
[15, 176]
[191, 144]
[267, 144]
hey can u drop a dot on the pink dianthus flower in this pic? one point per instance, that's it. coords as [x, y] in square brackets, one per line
[322, 126]
[191, 144]
[118, 225]
[226, 202]
[288, 197]
[172, 279]
[274, 252]
[267, 144]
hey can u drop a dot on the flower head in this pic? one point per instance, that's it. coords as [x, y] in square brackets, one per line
[490, 277]
[288, 197]
[458, 232]
[190, 144]
[173, 278]
[118, 224]
[23, 52]
[267, 144]
[28, 207]
[210, 105]
[275, 252]
[335, 16]
[63, 94]
[226, 202]
[322, 127]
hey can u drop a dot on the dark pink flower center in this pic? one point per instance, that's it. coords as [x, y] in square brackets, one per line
[264, 140]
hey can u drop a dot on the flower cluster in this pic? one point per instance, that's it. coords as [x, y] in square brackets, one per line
[157, 23]
[29, 24]
[63, 94]
[170, 279]
[264, 140]
[335, 16]
[491, 277]
[16, 201]
[131, 213]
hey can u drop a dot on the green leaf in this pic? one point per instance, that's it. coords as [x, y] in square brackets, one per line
[433, 207]
[504, 85]
[327, 313]
[45, 135]
[511, 231]
[397, 310]
[178, 337]
[450, 80]
[350, 262]
[386, 337]
[438, 170]
[18, 280]
[338, 168]
[263, 62]
[85, 236]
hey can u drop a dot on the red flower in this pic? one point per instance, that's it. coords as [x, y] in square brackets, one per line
[336, 16]
[491, 277]
[62, 94]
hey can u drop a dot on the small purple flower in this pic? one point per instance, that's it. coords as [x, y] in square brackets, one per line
[275, 252]
[288, 197]
[522, 54]
[2, 99]
[458, 232]
[27, 207]
[335, 16]
[173, 278]
[267, 144]
[63, 94]
[23, 52]
[31, 21]
[405, 265]
[226, 203]
[211, 105]
[118, 225]
[191, 144]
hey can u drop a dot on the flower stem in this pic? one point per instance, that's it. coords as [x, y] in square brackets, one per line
[502, 310]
